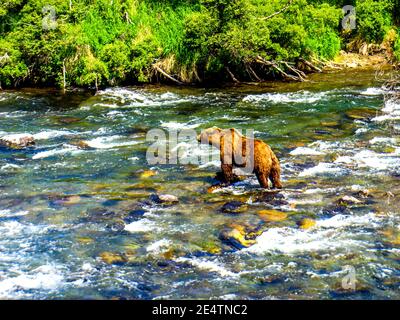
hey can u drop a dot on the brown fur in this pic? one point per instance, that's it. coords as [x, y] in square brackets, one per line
[233, 147]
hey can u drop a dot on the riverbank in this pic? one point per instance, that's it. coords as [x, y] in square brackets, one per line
[345, 62]
[205, 42]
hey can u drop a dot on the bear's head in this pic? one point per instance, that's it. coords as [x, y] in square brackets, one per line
[211, 136]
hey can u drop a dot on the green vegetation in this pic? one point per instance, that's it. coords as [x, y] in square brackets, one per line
[110, 42]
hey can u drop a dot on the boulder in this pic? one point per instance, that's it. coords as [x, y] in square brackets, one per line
[17, 141]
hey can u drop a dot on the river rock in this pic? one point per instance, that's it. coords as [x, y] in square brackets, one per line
[233, 207]
[391, 236]
[65, 200]
[17, 141]
[361, 113]
[272, 215]
[235, 237]
[100, 215]
[210, 247]
[68, 120]
[306, 223]
[113, 258]
[348, 200]
[274, 199]
[164, 199]
[365, 193]
[81, 145]
[214, 188]
[147, 174]
[116, 226]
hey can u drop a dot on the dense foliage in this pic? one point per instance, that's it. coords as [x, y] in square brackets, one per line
[109, 42]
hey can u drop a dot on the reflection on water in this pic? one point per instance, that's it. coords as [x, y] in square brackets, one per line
[79, 219]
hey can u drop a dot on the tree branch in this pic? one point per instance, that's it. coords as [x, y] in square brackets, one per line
[278, 12]
[167, 75]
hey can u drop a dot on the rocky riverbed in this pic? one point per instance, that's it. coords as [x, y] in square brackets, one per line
[83, 215]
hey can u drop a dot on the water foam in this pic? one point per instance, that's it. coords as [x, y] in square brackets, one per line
[291, 97]
[327, 235]
[110, 142]
[322, 168]
[208, 265]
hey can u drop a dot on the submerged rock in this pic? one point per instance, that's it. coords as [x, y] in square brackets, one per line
[391, 236]
[17, 141]
[210, 247]
[306, 223]
[113, 258]
[100, 215]
[68, 120]
[361, 113]
[235, 237]
[335, 209]
[66, 200]
[272, 215]
[273, 198]
[115, 226]
[348, 200]
[233, 207]
[81, 145]
[147, 174]
[214, 188]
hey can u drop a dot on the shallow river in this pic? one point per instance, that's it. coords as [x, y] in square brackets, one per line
[79, 219]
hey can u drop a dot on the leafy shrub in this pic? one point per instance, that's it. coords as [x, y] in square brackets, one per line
[374, 19]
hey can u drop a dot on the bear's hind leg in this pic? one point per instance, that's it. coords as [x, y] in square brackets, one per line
[275, 177]
[262, 179]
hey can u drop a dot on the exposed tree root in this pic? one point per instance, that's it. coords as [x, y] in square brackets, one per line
[297, 76]
[310, 65]
[232, 75]
[253, 75]
[300, 74]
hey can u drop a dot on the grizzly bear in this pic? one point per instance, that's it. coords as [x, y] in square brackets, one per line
[239, 151]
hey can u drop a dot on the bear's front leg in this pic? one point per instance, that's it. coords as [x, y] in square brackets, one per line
[227, 173]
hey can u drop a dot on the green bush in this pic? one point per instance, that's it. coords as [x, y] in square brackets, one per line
[374, 19]
[397, 47]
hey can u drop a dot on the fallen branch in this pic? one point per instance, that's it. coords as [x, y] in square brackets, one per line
[167, 75]
[310, 65]
[275, 66]
[278, 12]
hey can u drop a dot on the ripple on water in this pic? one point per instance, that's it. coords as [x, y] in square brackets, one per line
[19, 270]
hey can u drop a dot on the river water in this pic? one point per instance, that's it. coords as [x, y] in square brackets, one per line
[78, 219]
